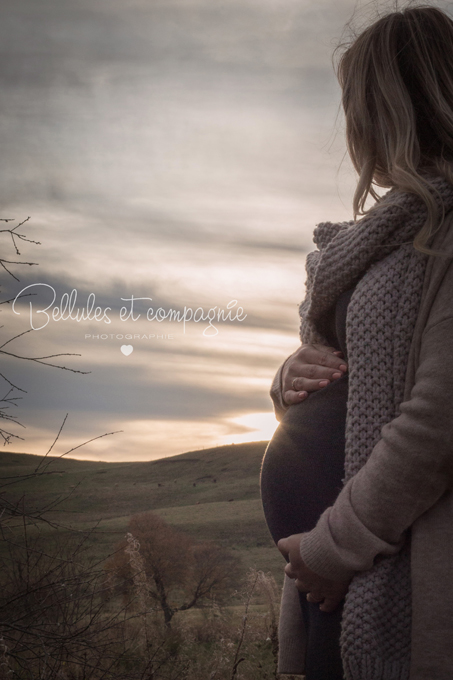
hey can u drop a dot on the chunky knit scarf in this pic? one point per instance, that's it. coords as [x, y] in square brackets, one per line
[377, 254]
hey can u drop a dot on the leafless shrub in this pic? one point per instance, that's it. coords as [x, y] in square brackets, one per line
[179, 573]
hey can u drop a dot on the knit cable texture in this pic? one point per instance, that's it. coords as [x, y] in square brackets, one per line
[376, 253]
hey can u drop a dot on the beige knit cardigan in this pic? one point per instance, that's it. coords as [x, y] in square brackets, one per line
[406, 482]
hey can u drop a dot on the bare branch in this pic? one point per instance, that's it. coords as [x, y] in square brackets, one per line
[39, 360]
[17, 297]
[14, 236]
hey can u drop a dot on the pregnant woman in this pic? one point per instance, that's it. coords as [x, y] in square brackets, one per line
[357, 482]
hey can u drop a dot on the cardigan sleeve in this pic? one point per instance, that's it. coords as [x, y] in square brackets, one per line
[408, 470]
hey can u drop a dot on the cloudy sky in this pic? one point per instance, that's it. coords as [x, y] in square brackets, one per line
[180, 151]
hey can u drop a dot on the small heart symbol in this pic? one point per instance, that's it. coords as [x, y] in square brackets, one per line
[127, 349]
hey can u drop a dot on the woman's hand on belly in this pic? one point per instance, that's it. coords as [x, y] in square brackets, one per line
[310, 368]
[318, 589]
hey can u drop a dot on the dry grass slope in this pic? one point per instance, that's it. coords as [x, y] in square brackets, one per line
[211, 494]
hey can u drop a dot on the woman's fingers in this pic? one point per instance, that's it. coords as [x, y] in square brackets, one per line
[331, 603]
[291, 397]
[311, 368]
[289, 571]
[282, 545]
[314, 597]
[304, 385]
[322, 378]
[324, 359]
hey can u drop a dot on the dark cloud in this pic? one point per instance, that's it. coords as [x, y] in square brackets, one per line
[115, 391]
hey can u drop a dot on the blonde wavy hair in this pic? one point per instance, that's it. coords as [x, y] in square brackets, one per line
[397, 94]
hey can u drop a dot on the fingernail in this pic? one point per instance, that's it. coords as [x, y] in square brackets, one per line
[302, 395]
[336, 375]
[343, 367]
[323, 383]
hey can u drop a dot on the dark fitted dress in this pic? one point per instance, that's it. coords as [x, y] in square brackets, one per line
[301, 476]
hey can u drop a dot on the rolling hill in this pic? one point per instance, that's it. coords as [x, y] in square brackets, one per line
[211, 494]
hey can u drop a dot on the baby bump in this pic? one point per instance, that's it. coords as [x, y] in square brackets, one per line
[303, 465]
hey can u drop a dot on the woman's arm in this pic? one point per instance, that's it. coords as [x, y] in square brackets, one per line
[409, 469]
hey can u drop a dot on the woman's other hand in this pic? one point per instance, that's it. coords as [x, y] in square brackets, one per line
[310, 368]
[318, 589]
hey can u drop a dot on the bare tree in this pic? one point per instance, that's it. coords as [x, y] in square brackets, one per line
[181, 573]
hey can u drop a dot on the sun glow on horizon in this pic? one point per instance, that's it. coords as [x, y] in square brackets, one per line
[258, 427]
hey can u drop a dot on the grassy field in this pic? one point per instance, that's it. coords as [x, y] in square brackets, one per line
[212, 494]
